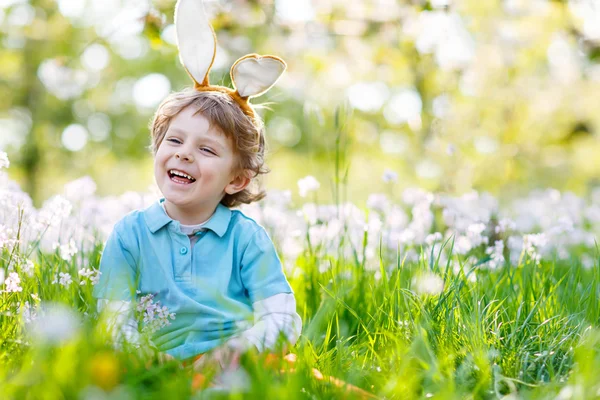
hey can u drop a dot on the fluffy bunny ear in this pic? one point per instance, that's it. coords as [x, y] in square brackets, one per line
[196, 40]
[253, 75]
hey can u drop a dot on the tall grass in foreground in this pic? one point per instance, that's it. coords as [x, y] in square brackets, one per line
[454, 319]
[414, 330]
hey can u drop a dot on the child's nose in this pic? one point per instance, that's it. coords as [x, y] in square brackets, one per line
[184, 156]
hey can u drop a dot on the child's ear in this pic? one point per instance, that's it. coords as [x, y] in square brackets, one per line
[239, 183]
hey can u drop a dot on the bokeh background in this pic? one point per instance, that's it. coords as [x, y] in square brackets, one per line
[498, 96]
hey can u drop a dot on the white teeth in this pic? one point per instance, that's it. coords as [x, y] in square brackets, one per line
[179, 173]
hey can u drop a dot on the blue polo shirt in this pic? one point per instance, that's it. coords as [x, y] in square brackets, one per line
[210, 287]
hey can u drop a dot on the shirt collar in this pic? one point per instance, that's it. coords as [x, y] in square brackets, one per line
[156, 218]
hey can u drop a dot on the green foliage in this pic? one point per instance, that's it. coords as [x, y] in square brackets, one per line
[524, 329]
[519, 107]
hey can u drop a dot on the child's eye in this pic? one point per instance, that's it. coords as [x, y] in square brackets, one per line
[173, 140]
[207, 150]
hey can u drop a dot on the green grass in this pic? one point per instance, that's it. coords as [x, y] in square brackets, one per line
[530, 330]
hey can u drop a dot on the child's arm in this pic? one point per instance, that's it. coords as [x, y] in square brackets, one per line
[272, 297]
[116, 287]
[272, 316]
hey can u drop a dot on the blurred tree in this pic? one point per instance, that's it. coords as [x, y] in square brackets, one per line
[452, 95]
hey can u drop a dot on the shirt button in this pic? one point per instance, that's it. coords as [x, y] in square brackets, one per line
[183, 250]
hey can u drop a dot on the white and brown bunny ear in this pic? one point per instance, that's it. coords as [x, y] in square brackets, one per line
[253, 75]
[196, 40]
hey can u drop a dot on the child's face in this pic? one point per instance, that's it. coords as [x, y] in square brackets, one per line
[195, 148]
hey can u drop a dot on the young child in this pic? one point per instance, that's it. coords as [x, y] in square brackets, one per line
[214, 267]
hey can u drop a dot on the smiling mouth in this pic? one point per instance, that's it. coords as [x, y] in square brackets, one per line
[180, 177]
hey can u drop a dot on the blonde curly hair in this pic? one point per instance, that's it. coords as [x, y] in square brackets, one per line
[246, 132]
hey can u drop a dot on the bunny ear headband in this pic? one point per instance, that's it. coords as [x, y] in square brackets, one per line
[252, 75]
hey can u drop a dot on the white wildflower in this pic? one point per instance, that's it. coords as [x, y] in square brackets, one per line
[324, 266]
[12, 283]
[155, 317]
[406, 236]
[532, 243]
[55, 324]
[515, 247]
[54, 211]
[462, 245]
[415, 196]
[505, 224]
[233, 380]
[378, 202]
[4, 163]
[433, 238]
[27, 267]
[90, 273]
[28, 313]
[80, 189]
[66, 250]
[451, 149]
[587, 261]
[8, 237]
[428, 283]
[497, 255]
[389, 176]
[308, 184]
[65, 279]
[475, 234]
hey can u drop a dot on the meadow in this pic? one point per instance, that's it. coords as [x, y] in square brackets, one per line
[423, 296]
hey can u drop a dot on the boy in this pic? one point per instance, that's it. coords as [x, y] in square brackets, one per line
[215, 268]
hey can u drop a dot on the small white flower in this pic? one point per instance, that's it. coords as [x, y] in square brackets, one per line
[29, 313]
[155, 316]
[65, 279]
[451, 149]
[433, 238]
[308, 184]
[390, 176]
[54, 211]
[68, 250]
[54, 324]
[532, 243]
[378, 202]
[505, 224]
[428, 283]
[236, 380]
[497, 255]
[4, 163]
[462, 245]
[8, 236]
[27, 267]
[90, 273]
[12, 283]
[80, 189]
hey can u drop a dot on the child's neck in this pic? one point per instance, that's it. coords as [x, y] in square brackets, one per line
[186, 217]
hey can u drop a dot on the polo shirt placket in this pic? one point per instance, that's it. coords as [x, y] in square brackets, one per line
[182, 265]
[184, 250]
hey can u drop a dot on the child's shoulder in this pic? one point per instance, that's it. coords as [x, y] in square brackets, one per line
[130, 220]
[244, 223]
